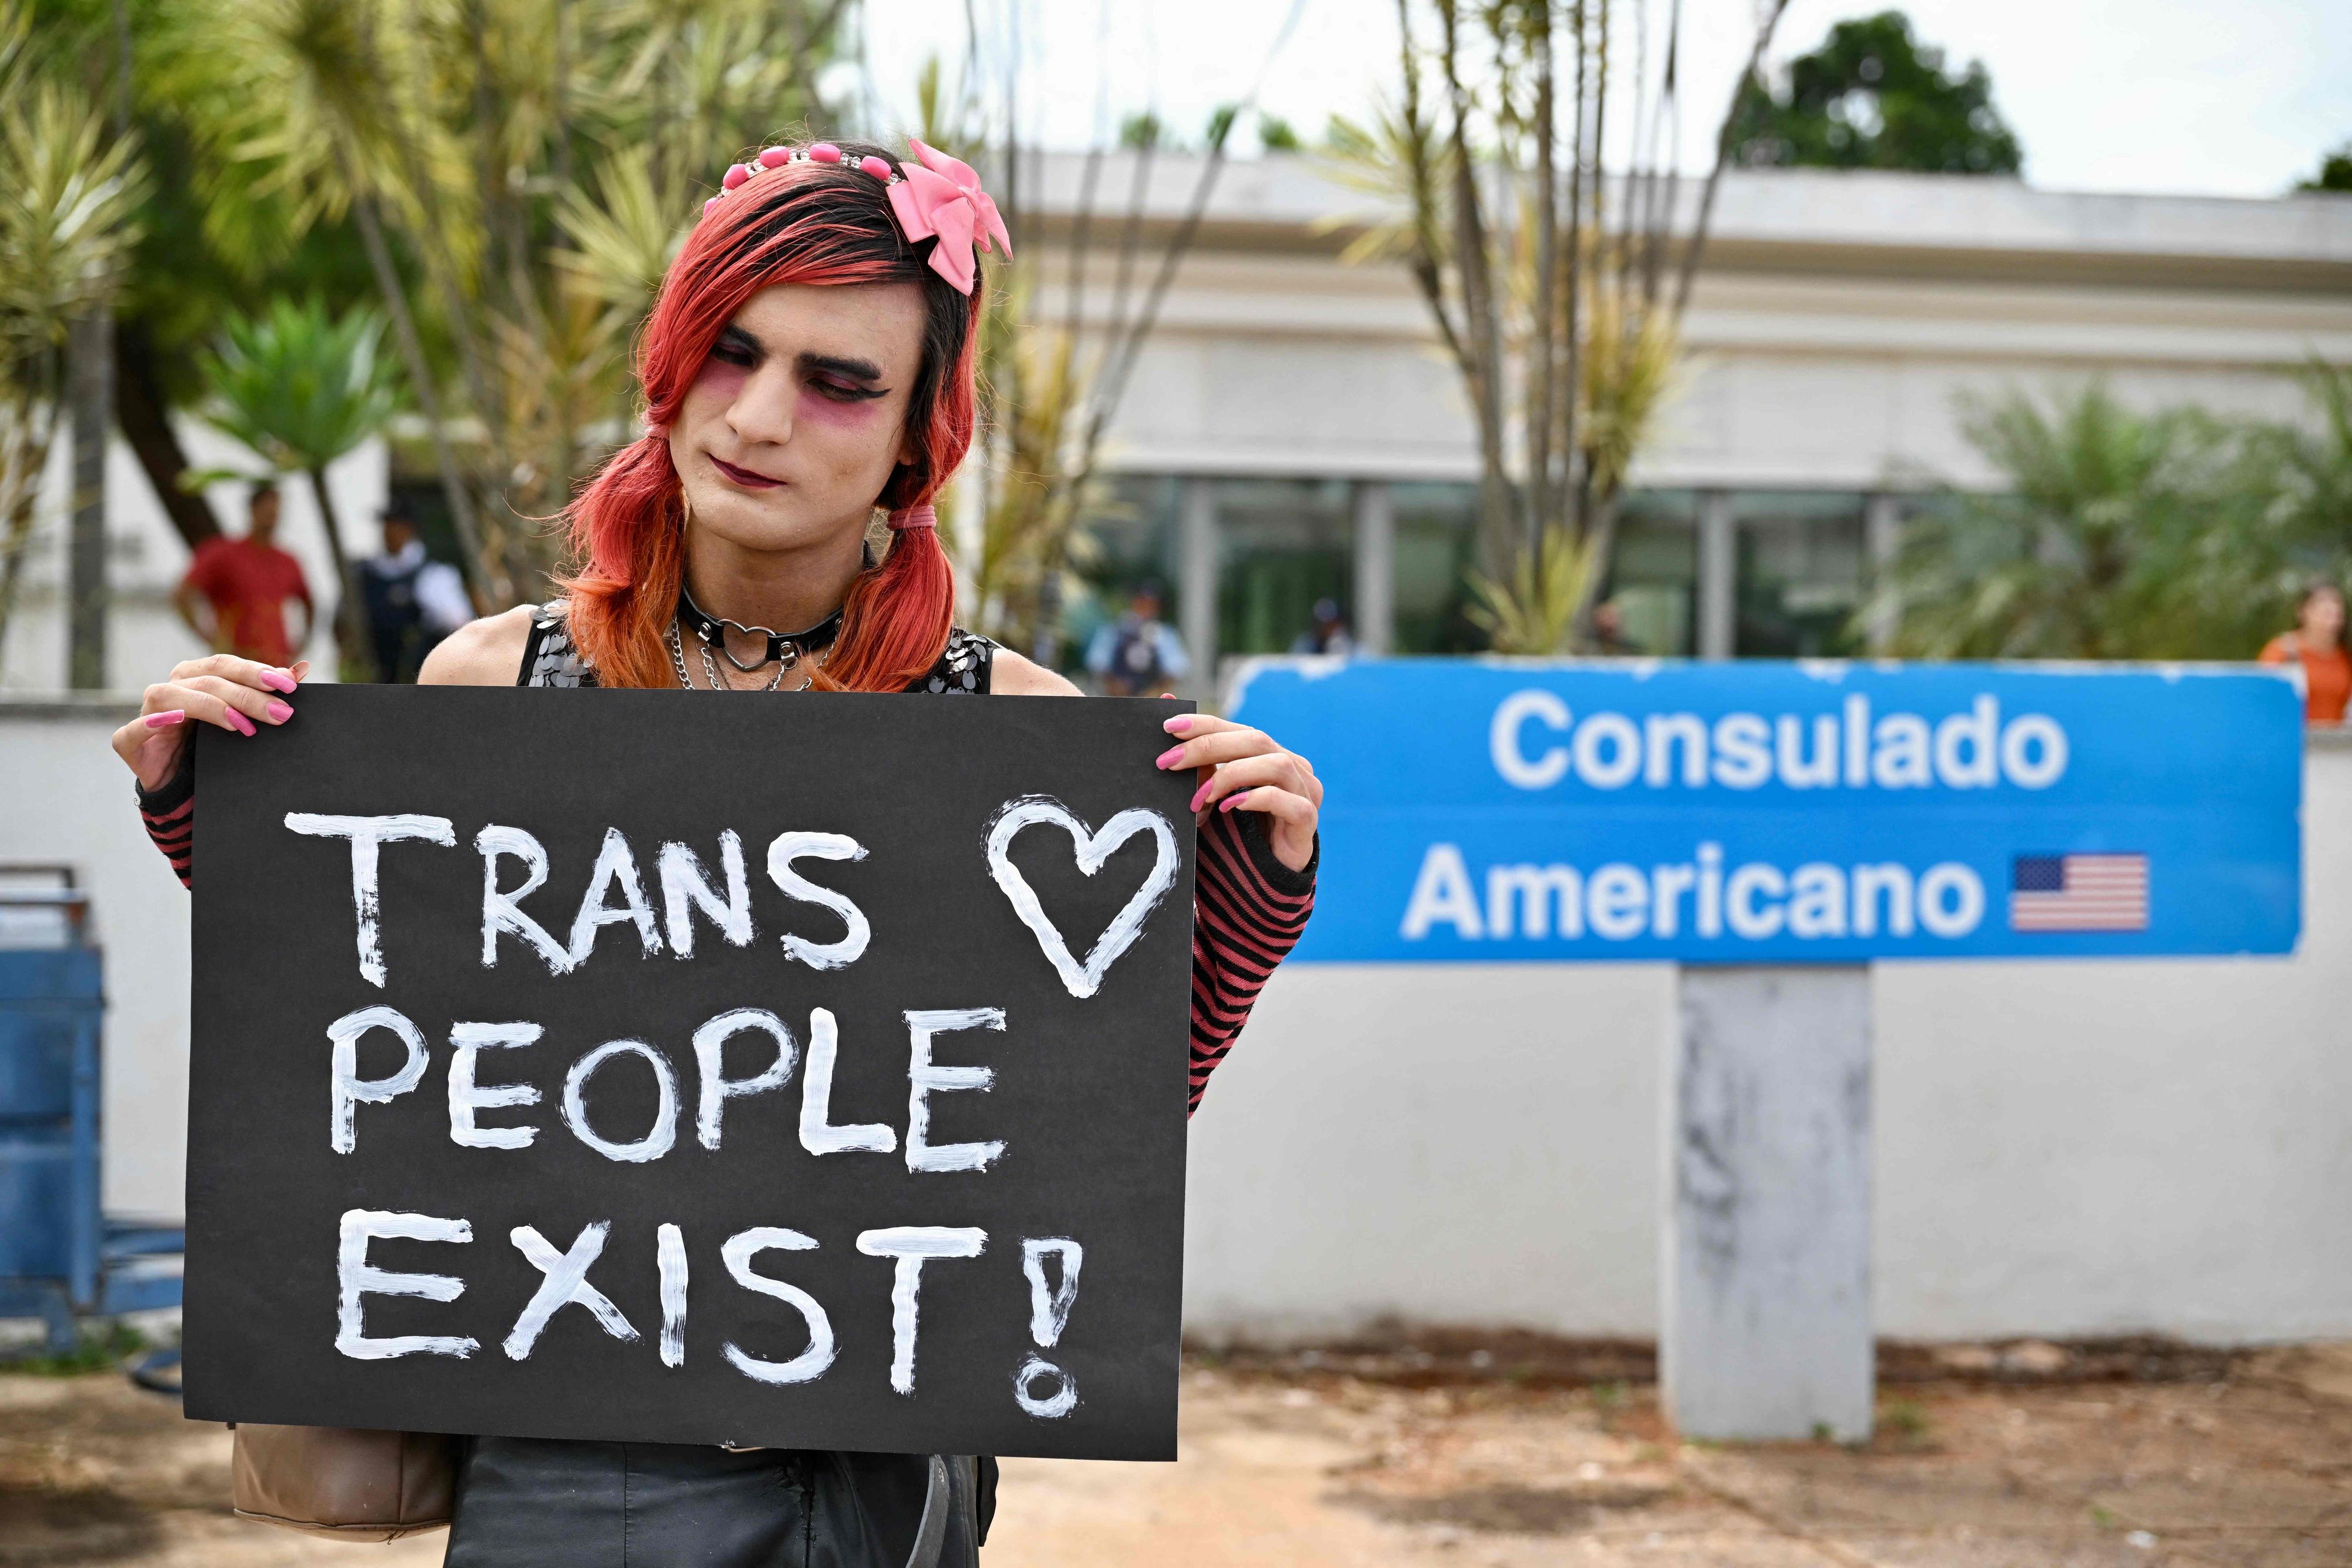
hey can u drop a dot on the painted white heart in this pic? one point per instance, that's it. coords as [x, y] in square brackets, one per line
[1093, 848]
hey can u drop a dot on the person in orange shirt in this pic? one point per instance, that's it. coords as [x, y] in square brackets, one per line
[244, 585]
[2317, 645]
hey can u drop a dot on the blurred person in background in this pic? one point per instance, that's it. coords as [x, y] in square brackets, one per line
[1138, 653]
[2315, 647]
[1328, 634]
[1608, 631]
[412, 600]
[236, 592]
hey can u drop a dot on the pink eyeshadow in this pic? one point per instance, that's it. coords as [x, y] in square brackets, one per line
[717, 375]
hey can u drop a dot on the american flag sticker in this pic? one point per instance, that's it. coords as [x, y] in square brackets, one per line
[2078, 892]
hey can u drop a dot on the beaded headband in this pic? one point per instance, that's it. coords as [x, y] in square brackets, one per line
[937, 195]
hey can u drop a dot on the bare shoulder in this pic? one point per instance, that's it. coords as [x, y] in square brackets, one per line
[485, 652]
[1011, 675]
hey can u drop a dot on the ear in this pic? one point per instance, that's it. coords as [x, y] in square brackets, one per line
[909, 449]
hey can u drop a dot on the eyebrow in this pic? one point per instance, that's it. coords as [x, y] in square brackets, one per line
[843, 365]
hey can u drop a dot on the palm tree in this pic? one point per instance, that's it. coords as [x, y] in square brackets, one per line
[2118, 535]
[302, 389]
[1557, 279]
[67, 195]
[2313, 461]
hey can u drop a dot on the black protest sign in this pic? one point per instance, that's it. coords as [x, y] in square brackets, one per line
[798, 1072]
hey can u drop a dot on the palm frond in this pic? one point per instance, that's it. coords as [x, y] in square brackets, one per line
[299, 386]
[1534, 611]
[2116, 534]
[623, 236]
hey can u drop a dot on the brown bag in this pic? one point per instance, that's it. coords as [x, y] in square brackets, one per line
[343, 1482]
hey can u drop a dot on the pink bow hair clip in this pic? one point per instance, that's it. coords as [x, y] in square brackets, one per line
[940, 195]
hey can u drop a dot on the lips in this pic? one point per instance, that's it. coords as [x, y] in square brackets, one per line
[746, 478]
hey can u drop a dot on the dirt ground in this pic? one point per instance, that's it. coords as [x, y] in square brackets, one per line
[2031, 1456]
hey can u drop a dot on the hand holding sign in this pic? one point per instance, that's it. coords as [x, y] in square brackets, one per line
[1246, 769]
[220, 689]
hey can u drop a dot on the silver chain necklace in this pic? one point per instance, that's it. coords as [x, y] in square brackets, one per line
[710, 666]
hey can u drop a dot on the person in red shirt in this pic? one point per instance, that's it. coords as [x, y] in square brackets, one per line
[2316, 645]
[236, 592]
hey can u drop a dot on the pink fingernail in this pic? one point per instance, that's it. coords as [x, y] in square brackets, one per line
[1232, 801]
[1202, 794]
[1168, 758]
[240, 723]
[166, 720]
[277, 681]
[279, 712]
[1179, 725]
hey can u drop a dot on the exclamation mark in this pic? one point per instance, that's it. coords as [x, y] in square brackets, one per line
[1049, 1314]
[669, 1255]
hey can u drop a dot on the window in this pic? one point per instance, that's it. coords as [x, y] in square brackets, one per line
[1654, 581]
[1436, 547]
[1800, 573]
[1126, 540]
[1284, 543]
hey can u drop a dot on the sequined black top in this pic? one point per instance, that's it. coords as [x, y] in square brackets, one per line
[550, 658]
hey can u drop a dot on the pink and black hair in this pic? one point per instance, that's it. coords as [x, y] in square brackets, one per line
[806, 222]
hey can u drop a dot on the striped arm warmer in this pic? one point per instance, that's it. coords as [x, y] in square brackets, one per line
[169, 815]
[1248, 909]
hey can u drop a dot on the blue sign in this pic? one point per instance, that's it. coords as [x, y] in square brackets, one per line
[1770, 812]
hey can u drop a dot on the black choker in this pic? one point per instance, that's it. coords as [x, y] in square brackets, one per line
[787, 648]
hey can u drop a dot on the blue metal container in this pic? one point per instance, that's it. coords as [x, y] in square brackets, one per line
[59, 1258]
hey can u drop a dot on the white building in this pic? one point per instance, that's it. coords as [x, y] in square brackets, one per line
[1294, 430]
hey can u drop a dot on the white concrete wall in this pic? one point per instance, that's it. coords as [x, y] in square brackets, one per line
[2061, 1148]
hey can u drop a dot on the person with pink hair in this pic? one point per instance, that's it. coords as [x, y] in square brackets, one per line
[808, 365]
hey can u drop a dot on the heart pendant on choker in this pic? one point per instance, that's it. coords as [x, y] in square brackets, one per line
[787, 648]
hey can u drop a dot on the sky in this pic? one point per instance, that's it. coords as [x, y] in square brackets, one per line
[2236, 97]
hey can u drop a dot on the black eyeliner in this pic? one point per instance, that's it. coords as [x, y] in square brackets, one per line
[735, 342]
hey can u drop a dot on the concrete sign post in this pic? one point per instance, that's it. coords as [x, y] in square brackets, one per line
[1773, 828]
[1764, 1264]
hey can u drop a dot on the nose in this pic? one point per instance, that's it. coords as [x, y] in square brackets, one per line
[762, 414]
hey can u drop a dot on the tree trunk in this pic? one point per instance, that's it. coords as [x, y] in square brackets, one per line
[350, 642]
[90, 382]
[1482, 328]
[1688, 273]
[434, 254]
[145, 420]
[1600, 528]
[26, 433]
[1584, 164]
[428, 400]
[1544, 341]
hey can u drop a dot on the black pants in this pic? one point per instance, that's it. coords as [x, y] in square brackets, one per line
[660, 1505]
